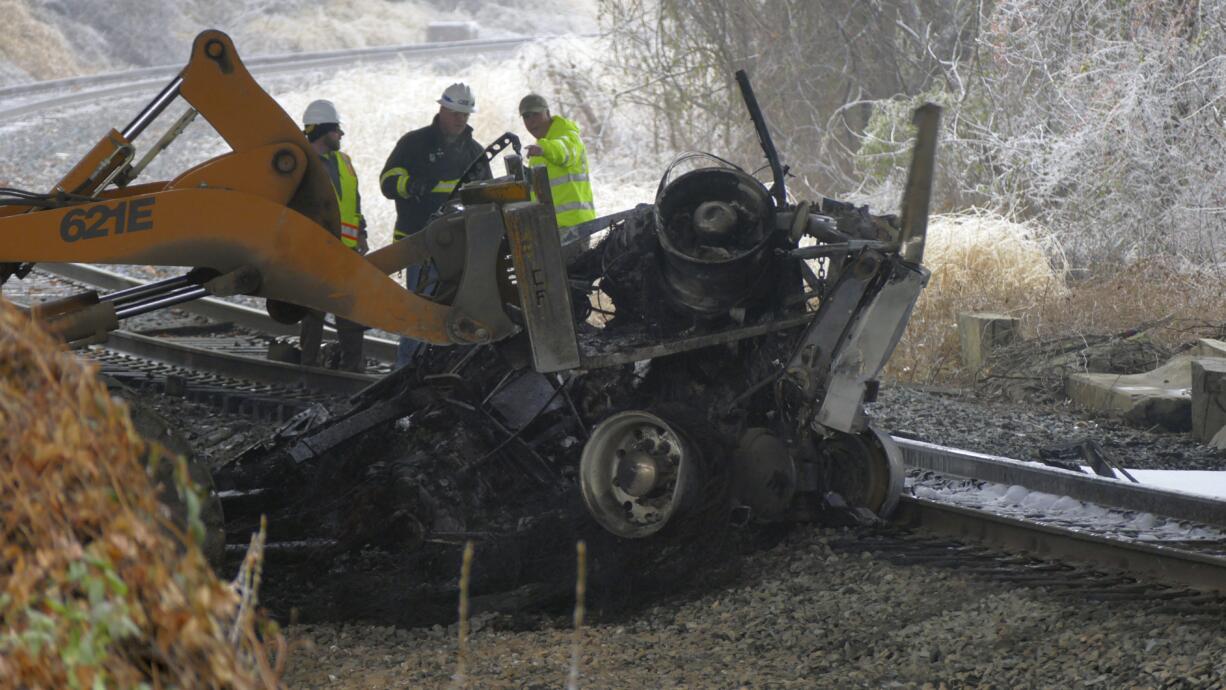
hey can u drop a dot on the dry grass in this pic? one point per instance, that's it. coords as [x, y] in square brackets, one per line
[982, 262]
[1182, 302]
[979, 262]
[34, 45]
[97, 587]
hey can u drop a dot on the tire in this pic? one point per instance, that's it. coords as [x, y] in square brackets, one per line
[693, 472]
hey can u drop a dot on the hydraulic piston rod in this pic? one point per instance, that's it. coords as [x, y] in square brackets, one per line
[155, 108]
[142, 291]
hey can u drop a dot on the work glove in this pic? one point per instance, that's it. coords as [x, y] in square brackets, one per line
[363, 244]
[420, 188]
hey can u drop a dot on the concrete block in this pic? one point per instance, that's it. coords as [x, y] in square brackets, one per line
[1219, 439]
[1208, 347]
[1161, 397]
[982, 332]
[1208, 397]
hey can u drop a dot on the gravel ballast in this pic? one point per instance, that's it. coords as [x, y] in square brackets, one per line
[1020, 431]
[800, 616]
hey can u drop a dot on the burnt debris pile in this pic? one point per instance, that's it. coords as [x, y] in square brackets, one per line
[657, 462]
[480, 450]
[726, 392]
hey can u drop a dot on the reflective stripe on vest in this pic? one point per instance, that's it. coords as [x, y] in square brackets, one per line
[566, 179]
[347, 199]
[574, 206]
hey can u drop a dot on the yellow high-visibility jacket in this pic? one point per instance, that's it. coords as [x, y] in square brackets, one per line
[565, 157]
[347, 198]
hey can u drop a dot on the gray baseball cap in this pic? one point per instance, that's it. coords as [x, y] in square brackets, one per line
[533, 103]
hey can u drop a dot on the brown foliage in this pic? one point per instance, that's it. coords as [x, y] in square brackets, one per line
[982, 262]
[96, 584]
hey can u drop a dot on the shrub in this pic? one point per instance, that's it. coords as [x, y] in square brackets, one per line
[97, 587]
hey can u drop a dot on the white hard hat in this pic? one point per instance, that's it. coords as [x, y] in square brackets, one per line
[459, 97]
[320, 112]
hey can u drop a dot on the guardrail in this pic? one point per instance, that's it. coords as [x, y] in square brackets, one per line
[93, 87]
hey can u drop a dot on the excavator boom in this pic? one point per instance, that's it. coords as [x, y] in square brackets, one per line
[260, 220]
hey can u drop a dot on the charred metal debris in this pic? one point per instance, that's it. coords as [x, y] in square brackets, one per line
[721, 383]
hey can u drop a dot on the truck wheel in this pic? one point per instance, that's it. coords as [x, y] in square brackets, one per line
[642, 470]
[866, 469]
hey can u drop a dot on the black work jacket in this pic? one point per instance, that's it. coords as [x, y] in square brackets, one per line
[423, 159]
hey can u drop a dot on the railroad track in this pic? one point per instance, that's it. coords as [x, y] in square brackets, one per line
[222, 365]
[1187, 580]
[272, 390]
[1012, 565]
[1119, 533]
[382, 349]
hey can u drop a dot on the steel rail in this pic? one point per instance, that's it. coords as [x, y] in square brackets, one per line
[94, 87]
[238, 366]
[1165, 563]
[210, 307]
[1083, 487]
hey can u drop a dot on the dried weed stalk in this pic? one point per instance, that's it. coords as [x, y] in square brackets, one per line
[576, 640]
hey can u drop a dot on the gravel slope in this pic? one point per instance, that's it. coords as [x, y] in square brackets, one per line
[800, 616]
[1020, 431]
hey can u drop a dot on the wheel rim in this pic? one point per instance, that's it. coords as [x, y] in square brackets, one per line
[635, 473]
[866, 469]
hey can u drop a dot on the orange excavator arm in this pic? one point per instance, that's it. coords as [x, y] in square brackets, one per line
[260, 220]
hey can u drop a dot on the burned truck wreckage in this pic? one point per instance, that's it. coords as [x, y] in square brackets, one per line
[701, 370]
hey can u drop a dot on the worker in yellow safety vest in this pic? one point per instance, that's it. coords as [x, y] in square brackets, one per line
[559, 148]
[322, 126]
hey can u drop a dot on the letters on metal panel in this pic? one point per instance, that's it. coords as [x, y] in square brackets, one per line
[544, 290]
